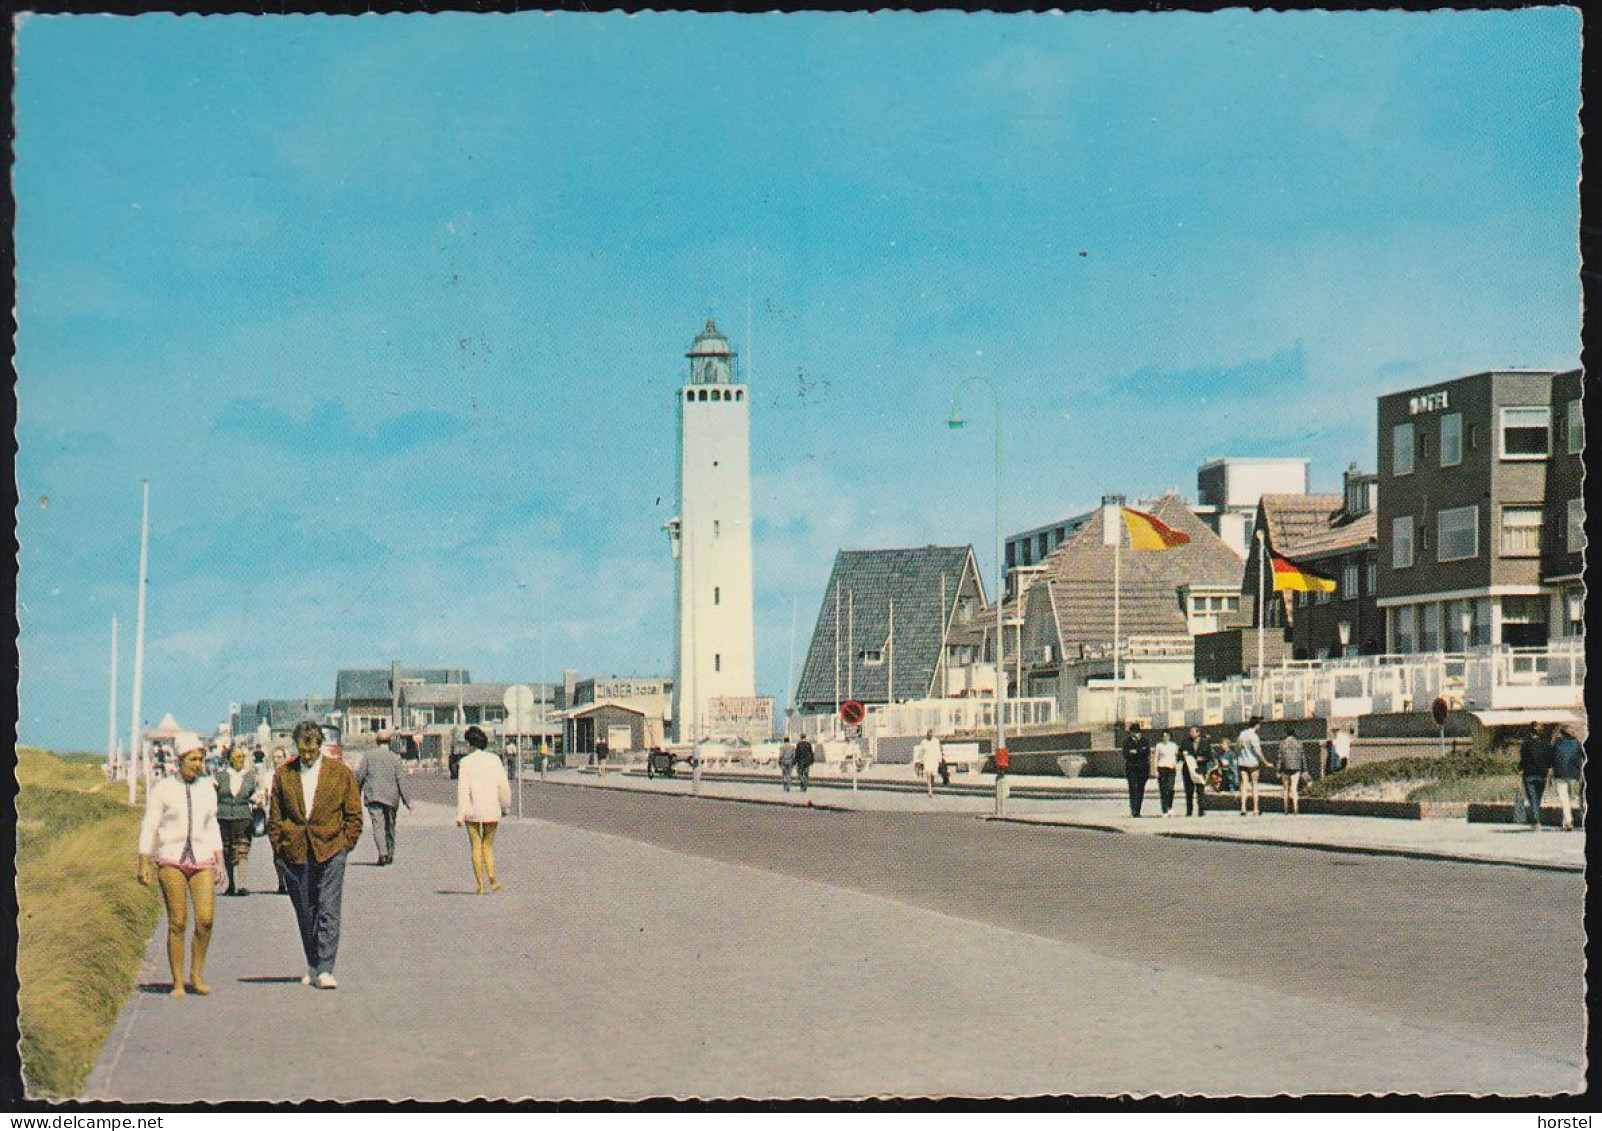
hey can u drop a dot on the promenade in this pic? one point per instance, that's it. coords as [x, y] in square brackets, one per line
[1102, 803]
[647, 945]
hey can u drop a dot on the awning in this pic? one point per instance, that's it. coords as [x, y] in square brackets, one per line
[1524, 716]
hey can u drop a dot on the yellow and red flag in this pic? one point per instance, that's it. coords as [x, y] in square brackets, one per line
[1148, 532]
[1290, 576]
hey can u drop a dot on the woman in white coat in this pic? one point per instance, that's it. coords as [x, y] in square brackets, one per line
[482, 795]
[180, 842]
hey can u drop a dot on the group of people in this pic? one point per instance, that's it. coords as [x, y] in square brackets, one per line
[1201, 764]
[1552, 754]
[796, 758]
[197, 830]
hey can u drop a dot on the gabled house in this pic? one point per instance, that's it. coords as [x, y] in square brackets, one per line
[887, 619]
[1164, 599]
[366, 696]
[1334, 536]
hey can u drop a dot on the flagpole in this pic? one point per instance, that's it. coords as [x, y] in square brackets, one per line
[837, 649]
[1118, 580]
[851, 642]
[111, 716]
[890, 645]
[136, 751]
[1262, 604]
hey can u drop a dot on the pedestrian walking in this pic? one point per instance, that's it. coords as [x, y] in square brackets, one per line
[280, 759]
[1249, 764]
[929, 760]
[803, 762]
[383, 793]
[786, 761]
[236, 795]
[314, 819]
[482, 796]
[1166, 755]
[1338, 753]
[1137, 765]
[1290, 767]
[1195, 758]
[180, 847]
[1568, 758]
[1535, 765]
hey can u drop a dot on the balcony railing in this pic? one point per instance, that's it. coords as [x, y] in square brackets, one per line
[1478, 680]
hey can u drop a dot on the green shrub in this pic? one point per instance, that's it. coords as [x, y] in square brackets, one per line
[83, 921]
[1465, 764]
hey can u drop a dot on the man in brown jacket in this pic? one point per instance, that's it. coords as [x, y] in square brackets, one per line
[312, 838]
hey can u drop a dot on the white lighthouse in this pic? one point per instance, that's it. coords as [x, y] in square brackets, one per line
[715, 684]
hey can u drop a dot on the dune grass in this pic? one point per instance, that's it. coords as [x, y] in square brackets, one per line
[1456, 777]
[83, 920]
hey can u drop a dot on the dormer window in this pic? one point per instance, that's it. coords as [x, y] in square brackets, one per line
[871, 657]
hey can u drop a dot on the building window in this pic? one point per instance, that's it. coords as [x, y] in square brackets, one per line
[1349, 580]
[717, 661]
[1405, 623]
[1429, 629]
[871, 657]
[717, 595]
[717, 529]
[1452, 439]
[1521, 532]
[1232, 604]
[1402, 449]
[1372, 570]
[1576, 530]
[1012, 554]
[1576, 428]
[1525, 432]
[1402, 542]
[1457, 535]
[739, 394]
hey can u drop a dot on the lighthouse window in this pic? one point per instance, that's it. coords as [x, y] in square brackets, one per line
[717, 527]
[717, 661]
[717, 595]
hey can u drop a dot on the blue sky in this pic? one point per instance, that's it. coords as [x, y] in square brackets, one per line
[390, 310]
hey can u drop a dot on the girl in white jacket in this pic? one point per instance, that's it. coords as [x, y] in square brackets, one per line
[482, 795]
[181, 842]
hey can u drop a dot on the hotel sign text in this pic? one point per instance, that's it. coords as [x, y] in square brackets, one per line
[1426, 402]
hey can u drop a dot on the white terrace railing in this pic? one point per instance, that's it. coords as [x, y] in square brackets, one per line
[1478, 680]
[943, 716]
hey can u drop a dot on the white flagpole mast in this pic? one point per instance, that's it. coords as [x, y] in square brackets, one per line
[1118, 582]
[1262, 602]
[789, 677]
[837, 649]
[851, 643]
[890, 646]
[136, 752]
[111, 714]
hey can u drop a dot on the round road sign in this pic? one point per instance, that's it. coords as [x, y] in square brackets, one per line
[852, 712]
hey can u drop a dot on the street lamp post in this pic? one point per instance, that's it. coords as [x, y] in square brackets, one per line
[956, 420]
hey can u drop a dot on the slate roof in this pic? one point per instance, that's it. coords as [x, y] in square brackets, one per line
[364, 684]
[1352, 534]
[914, 579]
[282, 714]
[445, 695]
[1293, 519]
[1080, 578]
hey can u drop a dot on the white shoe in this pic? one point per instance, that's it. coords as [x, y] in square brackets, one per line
[306, 978]
[325, 981]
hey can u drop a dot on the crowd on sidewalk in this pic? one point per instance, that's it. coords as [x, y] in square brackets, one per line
[1203, 766]
[197, 831]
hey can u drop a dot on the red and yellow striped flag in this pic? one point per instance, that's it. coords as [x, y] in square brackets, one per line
[1290, 576]
[1148, 532]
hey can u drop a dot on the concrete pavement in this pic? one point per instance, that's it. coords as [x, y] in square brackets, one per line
[1099, 803]
[615, 968]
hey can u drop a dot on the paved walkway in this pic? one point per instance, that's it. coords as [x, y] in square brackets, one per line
[1102, 803]
[611, 968]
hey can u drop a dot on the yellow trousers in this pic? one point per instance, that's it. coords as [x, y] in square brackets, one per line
[481, 837]
[177, 890]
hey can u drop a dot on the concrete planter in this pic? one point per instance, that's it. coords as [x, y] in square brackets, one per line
[1072, 765]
